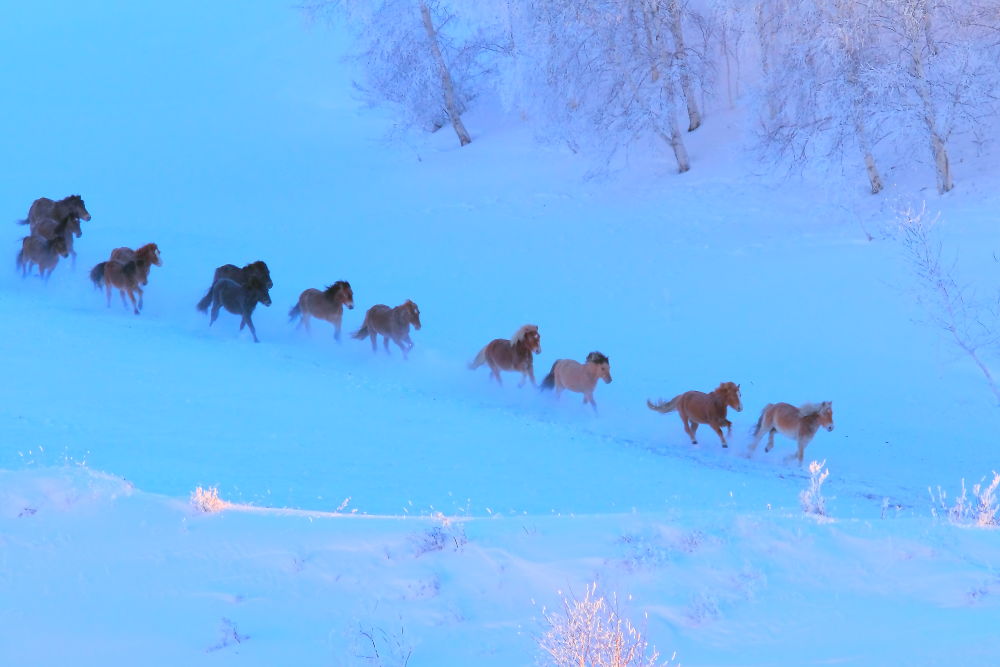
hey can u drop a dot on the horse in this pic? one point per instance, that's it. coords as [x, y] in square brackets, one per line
[49, 228]
[68, 207]
[256, 269]
[126, 276]
[392, 323]
[696, 408]
[326, 305]
[145, 257]
[239, 299]
[800, 423]
[512, 355]
[42, 252]
[572, 375]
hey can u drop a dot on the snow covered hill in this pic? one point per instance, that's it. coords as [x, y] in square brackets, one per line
[417, 510]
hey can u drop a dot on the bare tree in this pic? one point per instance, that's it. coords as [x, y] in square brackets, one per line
[447, 87]
[683, 64]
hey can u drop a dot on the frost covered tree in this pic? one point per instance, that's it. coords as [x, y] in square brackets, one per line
[604, 72]
[823, 89]
[417, 56]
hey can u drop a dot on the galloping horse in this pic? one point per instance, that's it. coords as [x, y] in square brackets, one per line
[49, 218]
[326, 305]
[572, 375]
[43, 252]
[126, 276]
[696, 408]
[512, 355]
[800, 423]
[145, 257]
[256, 269]
[239, 299]
[392, 323]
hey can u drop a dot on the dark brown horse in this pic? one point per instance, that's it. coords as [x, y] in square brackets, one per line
[326, 305]
[392, 323]
[512, 355]
[126, 276]
[256, 269]
[42, 252]
[145, 257]
[46, 216]
[800, 423]
[572, 375]
[238, 298]
[696, 408]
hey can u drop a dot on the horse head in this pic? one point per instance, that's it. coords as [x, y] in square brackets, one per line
[58, 245]
[603, 365]
[259, 268]
[150, 253]
[730, 392]
[528, 336]
[256, 287]
[826, 415]
[412, 314]
[343, 289]
[77, 208]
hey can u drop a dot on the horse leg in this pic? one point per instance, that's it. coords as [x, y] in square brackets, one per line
[385, 341]
[336, 329]
[718, 430]
[305, 321]
[139, 290]
[249, 323]
[107, 287]
[770, 440]
[374, 340]
[124, 302]
[216, 305]
[135, 308]
[689, 428]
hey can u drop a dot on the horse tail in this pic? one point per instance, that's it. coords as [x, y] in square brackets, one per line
[760, 420]
[19, 262]
[550, 380]
[97, 274]
[479, 360]
[363, 332]
[22, 222]
[205, 301]
[663, 406]
[296, 311]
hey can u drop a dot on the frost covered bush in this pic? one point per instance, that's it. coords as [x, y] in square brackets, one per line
[982, 509]
[811, 497]
[591, 633]
[208, 500]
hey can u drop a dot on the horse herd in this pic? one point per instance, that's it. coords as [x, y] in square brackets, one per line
[54, 224]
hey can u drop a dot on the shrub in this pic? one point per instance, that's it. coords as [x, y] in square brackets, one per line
[812, 498]
[981, 510]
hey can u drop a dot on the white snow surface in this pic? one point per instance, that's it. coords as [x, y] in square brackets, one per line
[418, 503]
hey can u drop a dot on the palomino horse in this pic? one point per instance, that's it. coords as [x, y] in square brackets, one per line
[800, 423]
[42, 252]
[326, 305]
[512, 355]
[126, 276]
[145, 257]
[392, 323]
[696, 408]
[256, 269]
[572, 375]
[239, 299]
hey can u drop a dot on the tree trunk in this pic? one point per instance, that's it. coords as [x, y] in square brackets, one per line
[942, 168]
[446, 84]
[683, 71]
[675, 138]
[866, 151]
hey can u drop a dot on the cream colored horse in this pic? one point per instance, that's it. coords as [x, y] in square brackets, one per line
[800, 423]
[582, 378]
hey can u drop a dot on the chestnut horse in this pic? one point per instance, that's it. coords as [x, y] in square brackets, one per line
[800, 423]
[238, 298]
[43, 252]
[326, 305]
[145, 257]
[392, 323]
[512, 355]
[696, 408]
[126, 276]
[256, 269]
[569, 374]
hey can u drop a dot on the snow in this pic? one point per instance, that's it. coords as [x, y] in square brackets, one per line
[417, 502]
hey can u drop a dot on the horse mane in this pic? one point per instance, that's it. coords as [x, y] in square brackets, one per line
[340, 285]
[522, 332]
[809, 409]
[150, 248]
[727, 388]
[597, 358]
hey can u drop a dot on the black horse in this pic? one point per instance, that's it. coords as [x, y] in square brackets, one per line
[256, 269]
[239, 299]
